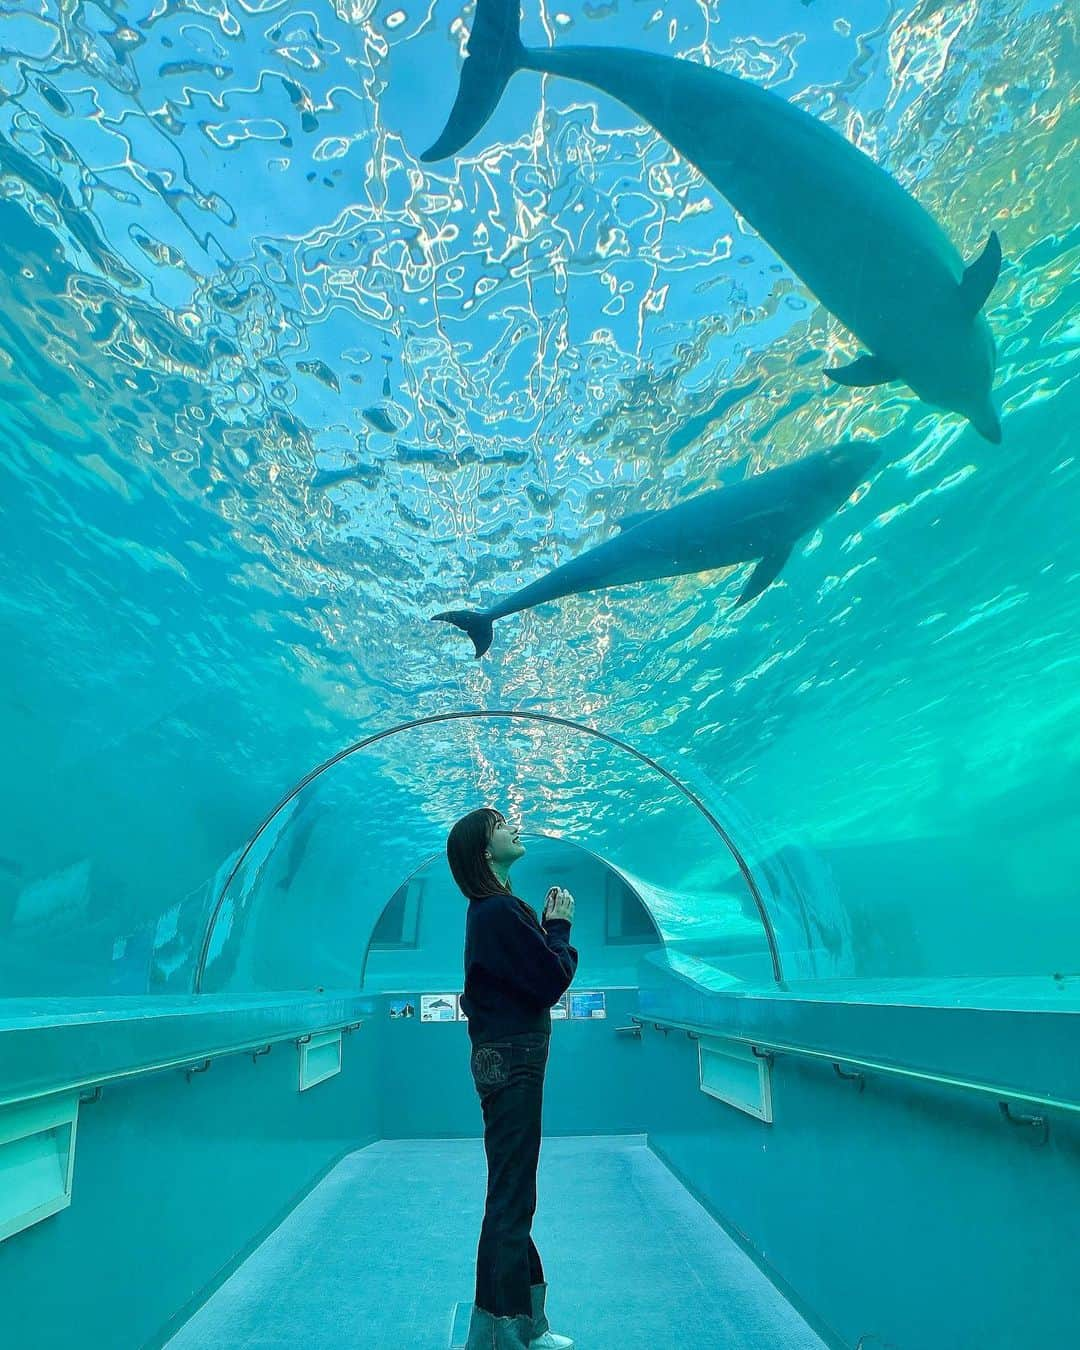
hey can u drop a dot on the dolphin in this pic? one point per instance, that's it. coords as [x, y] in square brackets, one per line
[861, 243]
[759, 518]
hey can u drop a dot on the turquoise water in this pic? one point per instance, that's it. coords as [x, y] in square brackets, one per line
[274, 393]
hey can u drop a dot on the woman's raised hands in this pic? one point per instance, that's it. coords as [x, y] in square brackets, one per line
[560, 904]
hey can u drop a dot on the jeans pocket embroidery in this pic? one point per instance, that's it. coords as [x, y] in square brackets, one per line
[489, 1066]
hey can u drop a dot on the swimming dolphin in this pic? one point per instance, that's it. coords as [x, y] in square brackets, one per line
[859, 241]
[762, 517]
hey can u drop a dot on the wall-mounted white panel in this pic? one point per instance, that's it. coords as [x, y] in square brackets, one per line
[37, 1159]
[320, 1058]
[732, 1072]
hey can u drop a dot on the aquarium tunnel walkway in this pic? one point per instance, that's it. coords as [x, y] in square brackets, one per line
[740, 1150]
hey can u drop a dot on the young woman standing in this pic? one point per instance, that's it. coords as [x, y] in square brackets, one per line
[516, 967]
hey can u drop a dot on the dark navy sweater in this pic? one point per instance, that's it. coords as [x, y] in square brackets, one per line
[515, 968]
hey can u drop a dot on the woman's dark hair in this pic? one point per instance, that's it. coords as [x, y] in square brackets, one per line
[465, 847]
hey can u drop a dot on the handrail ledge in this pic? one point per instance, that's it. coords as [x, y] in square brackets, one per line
[767, 1049]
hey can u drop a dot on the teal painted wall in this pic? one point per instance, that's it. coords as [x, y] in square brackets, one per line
[899, 1218]
[593, 1083]
[174, 1181]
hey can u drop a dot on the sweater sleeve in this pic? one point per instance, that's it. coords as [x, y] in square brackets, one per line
[537, 961]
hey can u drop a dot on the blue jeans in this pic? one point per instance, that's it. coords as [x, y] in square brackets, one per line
[509, 1078]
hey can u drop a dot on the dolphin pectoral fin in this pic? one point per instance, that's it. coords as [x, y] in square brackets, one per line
[635, 518]
[981, 276]
[863, 371]
[494, 53]
[766, 572]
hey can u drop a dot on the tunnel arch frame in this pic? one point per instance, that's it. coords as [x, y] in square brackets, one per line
[481, 714]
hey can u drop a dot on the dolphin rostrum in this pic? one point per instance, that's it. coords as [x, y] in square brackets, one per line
[762, 517]
[861, 243]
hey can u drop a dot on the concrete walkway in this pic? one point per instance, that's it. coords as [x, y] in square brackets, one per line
[381, 1256]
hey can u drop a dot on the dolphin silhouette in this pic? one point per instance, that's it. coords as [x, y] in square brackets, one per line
[760, 518]
[860, 242]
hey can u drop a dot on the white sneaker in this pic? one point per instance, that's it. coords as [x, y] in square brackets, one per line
[549, 1341]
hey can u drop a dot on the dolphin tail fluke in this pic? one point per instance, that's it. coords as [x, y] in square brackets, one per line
[494, 53]
[478, 626]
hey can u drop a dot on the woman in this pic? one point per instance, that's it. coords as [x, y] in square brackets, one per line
[515, 969]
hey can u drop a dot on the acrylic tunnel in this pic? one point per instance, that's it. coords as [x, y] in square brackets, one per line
[708, 374]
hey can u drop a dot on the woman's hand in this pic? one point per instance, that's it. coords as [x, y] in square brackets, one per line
[560, 904]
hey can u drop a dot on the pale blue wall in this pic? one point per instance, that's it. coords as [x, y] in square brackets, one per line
[175, 1181]
[909, 1218]
[912, 1214]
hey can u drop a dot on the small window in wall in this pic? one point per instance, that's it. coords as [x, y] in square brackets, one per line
[627, 920]
[399, 923]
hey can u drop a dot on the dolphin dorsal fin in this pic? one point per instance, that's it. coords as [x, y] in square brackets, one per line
[635, 518]
[736, 472]
[981, 276]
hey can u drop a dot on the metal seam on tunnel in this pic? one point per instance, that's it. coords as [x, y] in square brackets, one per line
[729, 843]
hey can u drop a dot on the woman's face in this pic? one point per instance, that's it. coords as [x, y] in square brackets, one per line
[504, 846]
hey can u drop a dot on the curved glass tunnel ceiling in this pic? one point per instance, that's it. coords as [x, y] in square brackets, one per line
[274, 393]
[298, 909]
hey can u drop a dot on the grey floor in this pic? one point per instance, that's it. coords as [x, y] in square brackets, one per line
[381, 1256]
